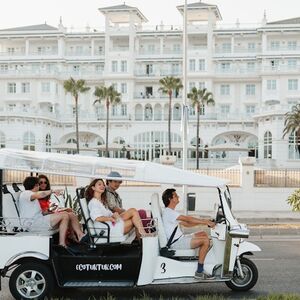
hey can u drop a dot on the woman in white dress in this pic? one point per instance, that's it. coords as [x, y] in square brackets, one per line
[119, 223]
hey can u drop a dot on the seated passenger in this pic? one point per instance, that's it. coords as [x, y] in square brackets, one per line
[172, 218]
[119, 223]
[31, 210]
[114, 201]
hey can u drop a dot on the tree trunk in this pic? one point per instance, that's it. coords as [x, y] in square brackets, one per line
[197, 136]
[76, 124]
[169, 121]
[107, 122]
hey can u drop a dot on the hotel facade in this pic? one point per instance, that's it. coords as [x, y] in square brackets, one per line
[252, 70]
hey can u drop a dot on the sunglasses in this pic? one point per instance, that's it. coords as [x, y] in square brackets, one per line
[42, 182]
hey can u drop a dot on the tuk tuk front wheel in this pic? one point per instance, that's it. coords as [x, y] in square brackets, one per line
[31, 281]
[237, 283]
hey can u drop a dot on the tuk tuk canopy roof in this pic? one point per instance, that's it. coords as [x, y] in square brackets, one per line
[100, 167]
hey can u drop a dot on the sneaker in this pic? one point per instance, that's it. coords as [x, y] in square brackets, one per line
[203, 276]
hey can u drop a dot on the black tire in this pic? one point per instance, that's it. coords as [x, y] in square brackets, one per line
[250, 279]
[31, 281]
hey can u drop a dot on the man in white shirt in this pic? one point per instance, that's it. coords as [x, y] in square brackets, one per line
[172, 219]
[31, 211]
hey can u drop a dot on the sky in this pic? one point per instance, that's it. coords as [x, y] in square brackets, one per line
[79, 14]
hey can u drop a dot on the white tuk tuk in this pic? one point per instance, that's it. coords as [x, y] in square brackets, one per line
[36, 262]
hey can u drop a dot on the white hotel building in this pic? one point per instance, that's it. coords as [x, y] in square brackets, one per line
[253, 72]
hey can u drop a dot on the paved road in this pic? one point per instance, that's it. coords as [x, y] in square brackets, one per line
[279, 272]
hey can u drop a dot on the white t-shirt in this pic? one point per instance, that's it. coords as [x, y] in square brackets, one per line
[169, 217]
[97, 209]
[29, 208]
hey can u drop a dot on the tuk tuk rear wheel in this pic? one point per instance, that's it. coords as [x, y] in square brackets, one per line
[250, 271]
[31, 281]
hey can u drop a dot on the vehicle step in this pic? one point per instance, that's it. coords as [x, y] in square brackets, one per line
[98, 284]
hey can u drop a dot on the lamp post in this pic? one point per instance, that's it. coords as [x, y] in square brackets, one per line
[184, 105]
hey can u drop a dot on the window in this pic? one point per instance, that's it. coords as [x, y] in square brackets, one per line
[41, 50]
[251, 47]
[225, 108]
[11, 50]
[48, 143]
[114, 110]
[293, 84]
[124, 88]
[114, 66]
[12, 107]
[201, 64]
[3, 68]
[79, 50]
[124, 109]
[250, 66]
[274, 63]
[250, 89]
[292, 45]
[56, 88]
[29, 141]
[275, 45]
[192, 65]
[99, 68]
[76, 68]
[226, 47]
[12, 88]
[201, 85]
[175, 68]
[45, 87]
[271, 85]
[149, 69]
[191, 86]
[268, 145]
[294, 146]
[250, 109]
[2, 140]
[225, 89]
[292, 63]
[151, 48]
[176, 48]
[25, 88]
[225, 66]
[100, 50]
[123, 66]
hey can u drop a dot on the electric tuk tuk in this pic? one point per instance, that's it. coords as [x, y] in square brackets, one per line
[36, 263]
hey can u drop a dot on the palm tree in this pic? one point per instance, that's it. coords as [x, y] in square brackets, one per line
[76, 87]
[168, 85]
[111, 97]
[292, 124]
[199, 98]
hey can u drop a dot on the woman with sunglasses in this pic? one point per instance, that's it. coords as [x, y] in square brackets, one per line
[119, 223]
[45, 204]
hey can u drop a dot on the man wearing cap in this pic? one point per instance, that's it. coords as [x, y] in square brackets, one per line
[114, 201]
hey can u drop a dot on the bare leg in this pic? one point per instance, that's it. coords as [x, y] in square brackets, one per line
[133, 215]
[201, 240]
[74, 224]
[62, 220]
[127, 226]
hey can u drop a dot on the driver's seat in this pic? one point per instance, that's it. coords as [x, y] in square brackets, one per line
[162, 237]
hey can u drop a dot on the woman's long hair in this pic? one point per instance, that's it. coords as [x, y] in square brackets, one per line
[48, 186]
[89, 192]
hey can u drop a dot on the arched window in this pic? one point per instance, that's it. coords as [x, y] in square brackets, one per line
[138, 112]
[294, 146]
[2, 140]
[177, 112]
[48, 142]
[157, 112]
[148, 112]
[99, 142]
[29, 141]
[268, 144]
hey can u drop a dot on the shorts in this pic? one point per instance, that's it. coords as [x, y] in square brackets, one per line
[184, 242]
[41, 223]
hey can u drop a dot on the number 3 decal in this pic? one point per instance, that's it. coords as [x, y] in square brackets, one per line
[163, 268]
